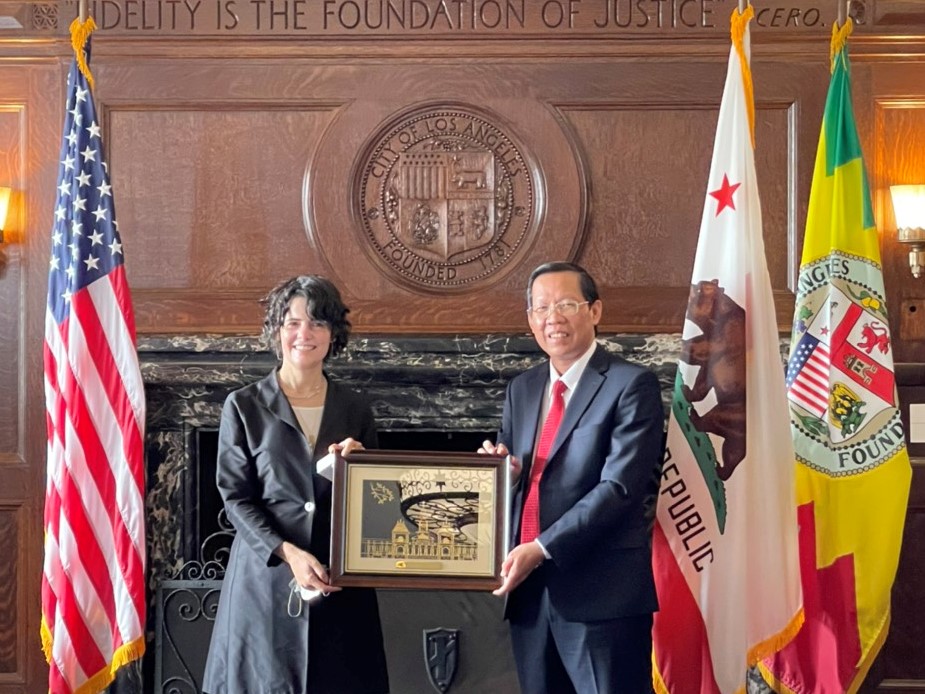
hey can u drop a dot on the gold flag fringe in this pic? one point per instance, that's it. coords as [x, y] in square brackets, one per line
[658, 684]
[102, 679]
[773, 645]
[80, 32]
[755, 654]
[46, 641]
[778, 641]
[738, 23]
[123, 655]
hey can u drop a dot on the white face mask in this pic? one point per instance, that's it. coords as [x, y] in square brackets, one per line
[298, 595]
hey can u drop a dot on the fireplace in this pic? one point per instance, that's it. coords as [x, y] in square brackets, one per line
[434, 392]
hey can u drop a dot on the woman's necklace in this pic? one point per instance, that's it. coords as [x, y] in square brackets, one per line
[310, 394]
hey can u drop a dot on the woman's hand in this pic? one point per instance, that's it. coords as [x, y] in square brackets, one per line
[345, 447]
[306, 569]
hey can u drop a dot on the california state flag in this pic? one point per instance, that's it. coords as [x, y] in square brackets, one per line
[725, 546]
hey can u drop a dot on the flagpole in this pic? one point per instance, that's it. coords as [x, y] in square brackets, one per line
[82, 12]
[742, 5]
[840, 20]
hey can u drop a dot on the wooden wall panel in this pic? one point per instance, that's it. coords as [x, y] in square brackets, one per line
[901, 664]
[649, 190]
[30, 128]
[250, 182]
[10, 585]
[15, 486]
[12, 122]
[214, 192]
[899, 158]
[648, 193]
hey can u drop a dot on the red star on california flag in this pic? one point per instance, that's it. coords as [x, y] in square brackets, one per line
[723, 194]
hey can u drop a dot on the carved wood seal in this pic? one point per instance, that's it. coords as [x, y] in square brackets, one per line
[445, 196]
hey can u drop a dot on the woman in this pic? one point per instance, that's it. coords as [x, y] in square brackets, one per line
[272, 434]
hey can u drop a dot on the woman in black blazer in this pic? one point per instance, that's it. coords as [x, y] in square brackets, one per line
[266, 639]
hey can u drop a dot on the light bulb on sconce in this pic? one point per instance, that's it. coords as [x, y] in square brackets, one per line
[909, 209]
[4, 208]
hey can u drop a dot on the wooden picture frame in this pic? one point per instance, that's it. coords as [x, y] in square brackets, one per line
[419, 519]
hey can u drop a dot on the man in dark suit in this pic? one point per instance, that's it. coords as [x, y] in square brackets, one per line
[579, 585]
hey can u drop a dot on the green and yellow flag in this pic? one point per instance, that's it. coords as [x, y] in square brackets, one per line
[853, 470]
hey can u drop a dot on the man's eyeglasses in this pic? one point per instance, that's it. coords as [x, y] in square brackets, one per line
[565, 309]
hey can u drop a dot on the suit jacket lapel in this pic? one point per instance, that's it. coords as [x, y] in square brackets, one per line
[588, 385]
[271, 395]
[277, 405]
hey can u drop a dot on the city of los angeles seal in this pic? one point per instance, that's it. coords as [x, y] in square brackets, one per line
[445, 197]
[841, 385]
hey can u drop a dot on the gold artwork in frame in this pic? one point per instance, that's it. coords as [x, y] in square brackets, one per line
[420, 519]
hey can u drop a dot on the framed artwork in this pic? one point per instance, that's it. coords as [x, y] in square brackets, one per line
[418, 519]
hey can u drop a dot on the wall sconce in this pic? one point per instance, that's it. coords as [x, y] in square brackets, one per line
[4, 208]
[909, 209]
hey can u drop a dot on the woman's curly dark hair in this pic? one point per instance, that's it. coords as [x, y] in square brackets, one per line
[323, 301]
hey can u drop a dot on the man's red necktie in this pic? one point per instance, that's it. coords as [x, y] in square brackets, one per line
[530, 522]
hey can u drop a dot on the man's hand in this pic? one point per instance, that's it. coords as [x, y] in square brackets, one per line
[488, 448]
[521, 561]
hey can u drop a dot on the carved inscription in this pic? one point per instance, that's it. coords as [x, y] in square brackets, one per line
[500, 18]
[445, 198]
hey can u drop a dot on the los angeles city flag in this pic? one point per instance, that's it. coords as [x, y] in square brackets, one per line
[93, 583]
[852, 469]
[725, 542]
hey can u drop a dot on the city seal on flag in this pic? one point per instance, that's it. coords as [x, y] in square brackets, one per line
[840, 374]
[445, 197]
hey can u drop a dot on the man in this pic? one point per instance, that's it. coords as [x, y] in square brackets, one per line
[579, 585]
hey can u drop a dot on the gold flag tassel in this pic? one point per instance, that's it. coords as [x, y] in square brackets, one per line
[737, 25]
[840, 36]
[80, 33]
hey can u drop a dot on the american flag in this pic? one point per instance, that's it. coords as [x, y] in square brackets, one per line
[93, 584]
[808, 375]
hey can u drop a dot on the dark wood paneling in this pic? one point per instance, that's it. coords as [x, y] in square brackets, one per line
[233, 194]
[650, 191]
[20, 465]
[900, 666]
[212, 193]
[12, 123]
[899, 131]
[904, 652]
[30, 131]
[10, 626]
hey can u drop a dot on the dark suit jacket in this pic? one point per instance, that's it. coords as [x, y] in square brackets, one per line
[597, 493]
[266, 476]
